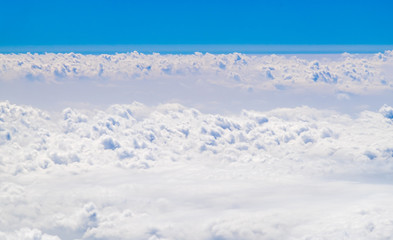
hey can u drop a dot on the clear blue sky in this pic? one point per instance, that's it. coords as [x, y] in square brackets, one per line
[108, 22]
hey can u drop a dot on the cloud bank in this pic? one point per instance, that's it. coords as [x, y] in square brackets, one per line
[136, 136]
[167, 171]
[348, 73]
[172, 172]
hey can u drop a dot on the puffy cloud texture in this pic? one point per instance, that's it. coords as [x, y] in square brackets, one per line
[136, 136]
[348, 73]
[166, 171]
[172, 172]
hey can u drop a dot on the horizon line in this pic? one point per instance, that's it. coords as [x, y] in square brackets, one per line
[204, 48]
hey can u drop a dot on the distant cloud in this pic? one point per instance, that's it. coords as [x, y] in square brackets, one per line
[349, 73]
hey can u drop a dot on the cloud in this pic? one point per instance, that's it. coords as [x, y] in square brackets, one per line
[32, 140]
[27, 234]
[349, 73]
[386, 111]
[173, 172]
[132, 171]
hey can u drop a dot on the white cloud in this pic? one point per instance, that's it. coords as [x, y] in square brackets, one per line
[27, 234]
[173, 172]
[386, 111]
[349, 73]
[32, 139]
[133, 171]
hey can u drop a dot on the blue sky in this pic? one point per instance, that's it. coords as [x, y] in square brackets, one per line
[111, 22]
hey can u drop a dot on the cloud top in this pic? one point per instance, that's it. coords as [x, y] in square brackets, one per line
[135, 136]
[348, 73]
[138, 172]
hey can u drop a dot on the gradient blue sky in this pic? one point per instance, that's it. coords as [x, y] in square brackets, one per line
[110, 22]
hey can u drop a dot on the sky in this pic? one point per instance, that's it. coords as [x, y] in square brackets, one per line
[104, 22]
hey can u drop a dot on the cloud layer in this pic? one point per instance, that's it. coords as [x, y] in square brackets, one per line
[172, 172]
[136, 136]
[348, 73]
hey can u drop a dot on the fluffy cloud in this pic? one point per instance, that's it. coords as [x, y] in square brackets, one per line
[386, 111]
[131, 171]
[172, 172]
[349, 73]
[314, 139]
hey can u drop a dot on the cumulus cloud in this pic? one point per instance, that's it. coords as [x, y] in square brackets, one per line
[173, 172]
[386, 111]
[31, 139]
[349, 73]
[132, 171]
